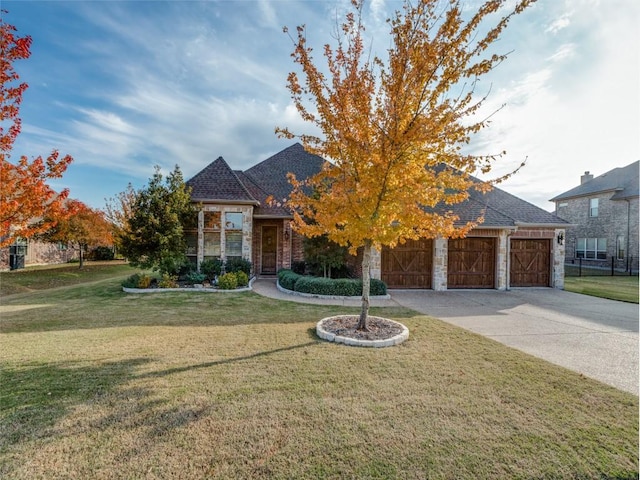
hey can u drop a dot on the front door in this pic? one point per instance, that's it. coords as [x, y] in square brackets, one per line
[269, 249]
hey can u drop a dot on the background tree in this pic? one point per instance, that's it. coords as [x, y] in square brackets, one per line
[119, 210]
[81, 227]
[395, 128]
[321, 254]
[25, 196]
[154, 234]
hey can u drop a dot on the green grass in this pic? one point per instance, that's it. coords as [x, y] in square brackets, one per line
[616, 288]
[52, 276]
[100, 384]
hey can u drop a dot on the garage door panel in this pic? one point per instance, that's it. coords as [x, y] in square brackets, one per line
[408, 265]
[530, 262]
[471, 263]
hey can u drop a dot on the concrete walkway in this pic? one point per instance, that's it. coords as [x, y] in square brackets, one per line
[589, 335]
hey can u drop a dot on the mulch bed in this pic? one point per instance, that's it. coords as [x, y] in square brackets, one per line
[345, 326]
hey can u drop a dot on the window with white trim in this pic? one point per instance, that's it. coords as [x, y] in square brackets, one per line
[591, 248]
[233, 234]
[593, 207]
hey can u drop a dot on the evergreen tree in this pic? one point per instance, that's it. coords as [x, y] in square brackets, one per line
[154, 236]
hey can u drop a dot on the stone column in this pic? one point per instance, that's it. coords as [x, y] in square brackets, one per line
[376, 264]
[440, 257]
[200, 247]
[502, 263]
[557, 259]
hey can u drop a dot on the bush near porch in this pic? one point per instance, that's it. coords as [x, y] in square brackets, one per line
[347, 287]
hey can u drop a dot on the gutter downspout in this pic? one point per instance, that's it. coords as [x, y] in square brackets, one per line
[629, 261]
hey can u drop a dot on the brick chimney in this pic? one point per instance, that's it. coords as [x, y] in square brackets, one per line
[586, 177]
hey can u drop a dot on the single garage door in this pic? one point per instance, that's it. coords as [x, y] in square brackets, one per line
[408, 265]
[530, 262]
[471, 263]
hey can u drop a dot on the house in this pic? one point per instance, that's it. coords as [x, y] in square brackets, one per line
[518, 244]
[31, 252]
[604, 210]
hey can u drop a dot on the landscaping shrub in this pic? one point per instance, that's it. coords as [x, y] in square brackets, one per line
[228, 281]
[234, 265]
[243, 279]
[102, 253]
[298, 267]
[326, 286]
[195, 277]
[287, 279]
[168, 281]
[211, 267]
[132, 281]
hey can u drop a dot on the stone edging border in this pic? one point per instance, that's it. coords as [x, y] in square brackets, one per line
[328, 297]
[389, 342]
[205, 290]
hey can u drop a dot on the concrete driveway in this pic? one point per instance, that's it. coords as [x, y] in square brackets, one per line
[589, 335]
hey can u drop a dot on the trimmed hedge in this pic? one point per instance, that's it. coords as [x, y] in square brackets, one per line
[328, 286]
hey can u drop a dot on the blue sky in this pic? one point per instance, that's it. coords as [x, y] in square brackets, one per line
[124, 86]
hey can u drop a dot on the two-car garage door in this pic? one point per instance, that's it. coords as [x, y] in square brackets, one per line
[471, 263]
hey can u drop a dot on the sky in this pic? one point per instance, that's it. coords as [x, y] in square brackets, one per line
[123, 86]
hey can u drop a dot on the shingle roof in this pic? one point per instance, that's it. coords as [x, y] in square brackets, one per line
[271, 174]
[218, 182]
[269, 178]
[623, 179]
[503, 210]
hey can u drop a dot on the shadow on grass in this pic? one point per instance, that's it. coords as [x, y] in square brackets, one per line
[33, 398]
[171, 371]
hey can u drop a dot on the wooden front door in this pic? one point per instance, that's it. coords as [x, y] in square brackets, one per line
[408, 265]
[530, 262]
[471, 263]
[269, 250]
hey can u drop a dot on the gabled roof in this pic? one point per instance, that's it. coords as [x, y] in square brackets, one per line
[623, 180]
[271, 174]
[217, 182]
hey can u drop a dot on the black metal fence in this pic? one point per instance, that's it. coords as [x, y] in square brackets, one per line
[585, 268]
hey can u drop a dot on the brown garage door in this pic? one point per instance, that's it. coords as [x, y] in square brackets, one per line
[471, 263]
[530, 262]
[408, 265]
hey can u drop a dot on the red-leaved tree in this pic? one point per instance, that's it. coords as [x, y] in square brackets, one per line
[25, 197]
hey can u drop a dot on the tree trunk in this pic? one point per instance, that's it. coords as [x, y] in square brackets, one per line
[366, 286]
[81, 257]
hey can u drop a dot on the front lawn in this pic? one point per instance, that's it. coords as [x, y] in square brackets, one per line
[101, 384]
[615, 288]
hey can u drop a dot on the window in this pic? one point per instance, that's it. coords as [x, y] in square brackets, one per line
[211, 244]
[192, 243]
[620, 247]
[233, 221]
[591, 248]
[233, 234]
[593, 207]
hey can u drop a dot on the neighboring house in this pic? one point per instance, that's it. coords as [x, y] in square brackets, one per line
[518, 244]
[604, 211]
[26, 253]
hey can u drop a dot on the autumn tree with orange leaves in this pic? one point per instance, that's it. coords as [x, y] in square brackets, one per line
[394, 129]
[25, 197]
[80, 227]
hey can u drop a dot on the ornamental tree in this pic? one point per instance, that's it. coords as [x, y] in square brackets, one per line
[153, 237]
[25, 196]
[394, 128]
[81, 227]
[119, 210]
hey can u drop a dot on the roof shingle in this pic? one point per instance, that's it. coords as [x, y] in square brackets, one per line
[623, 179]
